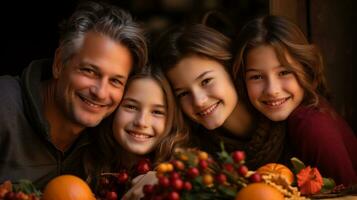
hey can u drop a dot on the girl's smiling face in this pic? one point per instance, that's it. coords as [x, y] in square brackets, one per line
[139, 122]
[204, 89]
[273, 89]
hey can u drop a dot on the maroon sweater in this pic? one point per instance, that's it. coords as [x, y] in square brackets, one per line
[322, 139]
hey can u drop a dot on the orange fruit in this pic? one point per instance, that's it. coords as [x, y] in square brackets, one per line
[259, 191]
[67, 187]
[276, 168]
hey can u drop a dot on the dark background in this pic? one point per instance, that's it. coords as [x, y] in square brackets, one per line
[29, 30]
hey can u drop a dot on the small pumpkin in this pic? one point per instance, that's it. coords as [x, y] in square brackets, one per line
[259, 191]
[67, 187]
[276, 168]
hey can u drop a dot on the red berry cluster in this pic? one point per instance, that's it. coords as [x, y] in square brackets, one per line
[112, 186]
[7, 193]
[194, 174]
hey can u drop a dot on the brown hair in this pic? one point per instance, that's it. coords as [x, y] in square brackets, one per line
[285, 37]
[107, 155]
[183, 41]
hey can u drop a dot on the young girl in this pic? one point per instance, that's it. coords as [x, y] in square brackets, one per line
[197, 62]
[284, 80]
[147, 124]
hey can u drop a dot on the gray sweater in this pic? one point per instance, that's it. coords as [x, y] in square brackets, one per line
[26, 150]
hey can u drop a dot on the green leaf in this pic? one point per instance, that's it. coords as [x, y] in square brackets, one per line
[328, 184]
[298, 164]
[26, 187]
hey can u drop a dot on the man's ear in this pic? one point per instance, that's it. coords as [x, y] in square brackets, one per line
[57, 65]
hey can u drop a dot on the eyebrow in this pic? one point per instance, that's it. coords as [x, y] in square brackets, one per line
[252, 69]
[137, 102]
[197, 78]
[97, 68]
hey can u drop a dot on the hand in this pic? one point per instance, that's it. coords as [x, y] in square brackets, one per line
[136, 191]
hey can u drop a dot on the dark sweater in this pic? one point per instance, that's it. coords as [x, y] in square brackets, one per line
[26, 150]
[322, 139]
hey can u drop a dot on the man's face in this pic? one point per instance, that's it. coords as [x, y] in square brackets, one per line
[91, 84]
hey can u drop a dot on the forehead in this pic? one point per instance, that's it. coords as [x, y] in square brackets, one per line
[266, 56]
[144, 89]
[189, 68]
[103, 52]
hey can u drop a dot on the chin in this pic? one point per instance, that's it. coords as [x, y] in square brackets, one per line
[212, 126]
[277, 118]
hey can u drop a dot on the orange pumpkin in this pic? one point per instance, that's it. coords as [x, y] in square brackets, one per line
[259, 191]
[276, 168]
[67, 187]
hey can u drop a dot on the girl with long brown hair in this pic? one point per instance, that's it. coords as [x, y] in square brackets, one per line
[197, 61]
[283, 76]
[146, 125]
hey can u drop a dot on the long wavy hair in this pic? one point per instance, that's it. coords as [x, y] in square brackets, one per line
[107, 155]
[285, 37]
[266, 139]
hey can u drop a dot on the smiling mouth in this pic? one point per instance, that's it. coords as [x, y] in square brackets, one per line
[208, 110]
[91, 103]
[139, 135]
[276, 102]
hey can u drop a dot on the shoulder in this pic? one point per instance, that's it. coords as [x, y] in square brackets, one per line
[317, 123]
[10, 88]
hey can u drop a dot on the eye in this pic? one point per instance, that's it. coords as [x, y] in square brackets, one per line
[255, 77]
[206, 81]
[158, 112]
[117, 82]
[181, 94]
[129, 107]
[284, 73]
[88, 71]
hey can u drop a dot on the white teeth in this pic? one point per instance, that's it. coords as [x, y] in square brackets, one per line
[138, 135]
[276, 102]
[208, 110]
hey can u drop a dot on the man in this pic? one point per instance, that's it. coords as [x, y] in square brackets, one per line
[44, 113]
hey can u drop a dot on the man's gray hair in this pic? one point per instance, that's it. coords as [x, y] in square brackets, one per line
[108, 20]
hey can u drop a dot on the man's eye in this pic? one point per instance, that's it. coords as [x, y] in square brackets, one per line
[87, 71]
[117, 82]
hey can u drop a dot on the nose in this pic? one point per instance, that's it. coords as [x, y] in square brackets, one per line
[99, 89]
[199, 98]
[273, 87]
[142, 119]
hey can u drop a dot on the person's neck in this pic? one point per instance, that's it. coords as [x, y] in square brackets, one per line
[240, 121]
[62, 132]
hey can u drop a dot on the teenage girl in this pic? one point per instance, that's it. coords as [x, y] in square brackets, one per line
[284, 80]
[147, 124]
[197, 61]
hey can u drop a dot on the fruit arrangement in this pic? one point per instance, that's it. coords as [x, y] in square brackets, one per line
[112, 186]
[23, 190]
[194, 174]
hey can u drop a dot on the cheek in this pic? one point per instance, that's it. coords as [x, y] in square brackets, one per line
[120, 120]
[186, 105]
[117, 95]
[159, 126]
[254, 91]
